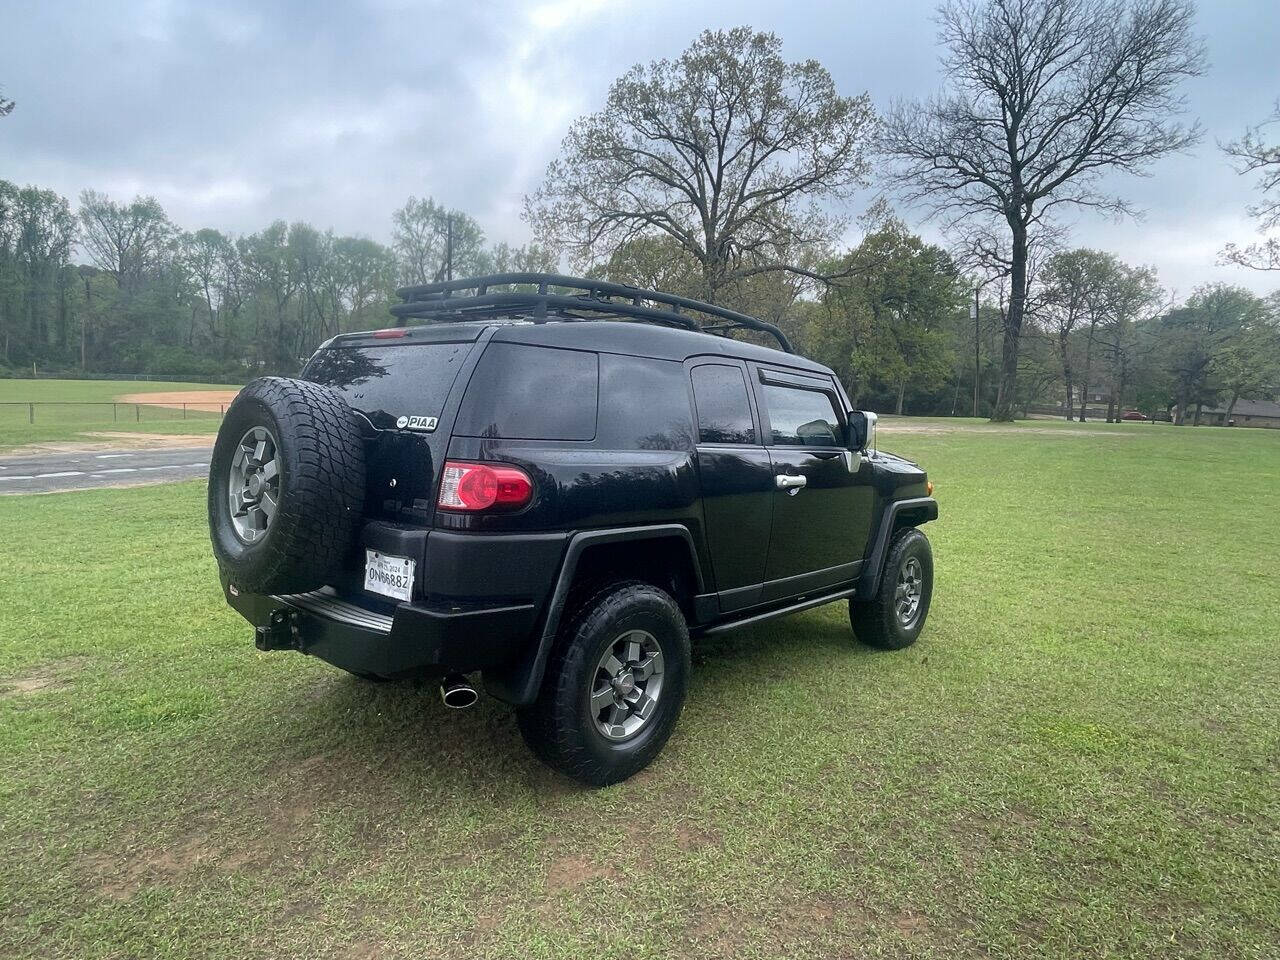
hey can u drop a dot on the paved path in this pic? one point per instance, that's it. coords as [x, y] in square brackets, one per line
[84, 470]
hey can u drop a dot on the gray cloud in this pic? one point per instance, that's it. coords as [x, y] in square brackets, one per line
[237, 113]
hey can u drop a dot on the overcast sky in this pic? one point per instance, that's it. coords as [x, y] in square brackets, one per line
[234, 114]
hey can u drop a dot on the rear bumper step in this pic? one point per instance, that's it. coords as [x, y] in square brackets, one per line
[416, 640]
[325, 602]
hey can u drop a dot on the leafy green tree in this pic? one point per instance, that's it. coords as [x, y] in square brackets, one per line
[367, 274]
[45, 232]
[888, 326]
[1249, 366]
[9, 285]
[207, 256]
[273, 280]
[1197, 337]
[652, 262]
[319, 303]
[526, 258]
[1130, 295]
[1072, 282]
[729, 152]
[658, 262]
[837, 330]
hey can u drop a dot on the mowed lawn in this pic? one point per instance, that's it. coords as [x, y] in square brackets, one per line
[67, 409]
[1081, 757]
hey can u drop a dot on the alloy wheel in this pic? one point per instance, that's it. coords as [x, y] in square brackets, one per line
[910, 588]
[253, 483]
[626, 685]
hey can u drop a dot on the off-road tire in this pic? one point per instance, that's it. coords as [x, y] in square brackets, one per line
[322, 486]
[876, 622]
[559, 727]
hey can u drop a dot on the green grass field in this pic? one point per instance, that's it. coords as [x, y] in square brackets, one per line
[1081, 757]
[61, 413]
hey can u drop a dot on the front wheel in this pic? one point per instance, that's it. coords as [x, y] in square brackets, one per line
[894, 617]
[614, 687]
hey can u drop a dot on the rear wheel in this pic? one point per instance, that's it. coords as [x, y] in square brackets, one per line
[614, 686]
[894, 617]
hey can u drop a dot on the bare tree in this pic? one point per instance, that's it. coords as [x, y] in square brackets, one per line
[6, 106]
[728, 150]
[204, 256]
[1068, 278]
[1134, 301]
[1254, 155]
[1115, 297]
[1046, 97]
[125, 240]
[434, 243]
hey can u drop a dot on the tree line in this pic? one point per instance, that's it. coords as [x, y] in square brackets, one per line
[117, 287]
[721, 174]
[725, 174]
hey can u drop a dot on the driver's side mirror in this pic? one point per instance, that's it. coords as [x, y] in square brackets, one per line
[862, 430]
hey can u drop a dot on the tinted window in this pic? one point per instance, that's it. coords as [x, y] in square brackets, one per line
[724, 414]
[521, 392]
[644, 405]
[385, 382]
[801, 417]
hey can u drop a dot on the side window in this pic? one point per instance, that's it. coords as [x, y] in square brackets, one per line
[521, 392]
[644, 404]
[724, 413]
[800, 417]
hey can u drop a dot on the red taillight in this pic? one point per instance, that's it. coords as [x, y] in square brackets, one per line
[479, 486]
[391, 333]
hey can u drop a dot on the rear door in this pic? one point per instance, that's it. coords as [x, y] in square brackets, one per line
[822, 496]
[403, 387]
[736, 477]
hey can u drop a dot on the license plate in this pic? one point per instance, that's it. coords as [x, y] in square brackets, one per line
[388, 575]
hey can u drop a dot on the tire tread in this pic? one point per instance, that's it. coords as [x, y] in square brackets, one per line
[875, 621]
[551, 725]
[316, 521]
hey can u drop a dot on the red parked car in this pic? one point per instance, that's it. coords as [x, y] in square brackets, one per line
[1134, 415]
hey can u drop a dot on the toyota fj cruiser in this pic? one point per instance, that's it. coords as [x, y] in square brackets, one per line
[555, 483]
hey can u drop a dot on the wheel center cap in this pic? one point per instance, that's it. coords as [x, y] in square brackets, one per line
[624, 683]
[255, 485]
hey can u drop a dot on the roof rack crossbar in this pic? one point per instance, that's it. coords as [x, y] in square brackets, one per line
[437, 301]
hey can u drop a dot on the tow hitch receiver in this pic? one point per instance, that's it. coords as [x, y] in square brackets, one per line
[280, 632]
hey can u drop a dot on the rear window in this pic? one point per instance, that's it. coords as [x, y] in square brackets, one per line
[386, 382]
[521, 392]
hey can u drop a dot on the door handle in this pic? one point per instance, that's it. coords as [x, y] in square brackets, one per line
[789, 483]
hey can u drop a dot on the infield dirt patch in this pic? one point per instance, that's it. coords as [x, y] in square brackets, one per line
[212, 401]
[96, 441]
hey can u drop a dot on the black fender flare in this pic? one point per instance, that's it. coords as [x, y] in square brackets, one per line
[912, 511]
[519, 683]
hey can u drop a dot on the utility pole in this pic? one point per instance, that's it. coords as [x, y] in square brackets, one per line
[448, 246]
[977, 360]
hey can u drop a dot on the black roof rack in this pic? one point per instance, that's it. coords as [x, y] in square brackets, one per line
[570, 298]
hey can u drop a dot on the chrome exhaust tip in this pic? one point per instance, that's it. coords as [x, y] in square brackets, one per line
[458, 693]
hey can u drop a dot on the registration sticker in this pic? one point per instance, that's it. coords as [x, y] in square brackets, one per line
[388, 575]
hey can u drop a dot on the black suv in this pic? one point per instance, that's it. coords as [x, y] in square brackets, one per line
[556, 482]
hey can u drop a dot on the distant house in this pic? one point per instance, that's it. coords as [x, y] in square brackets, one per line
[1095, 394]
[1247, 413]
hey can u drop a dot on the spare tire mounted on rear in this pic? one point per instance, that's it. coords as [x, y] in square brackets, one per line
[286, 486]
